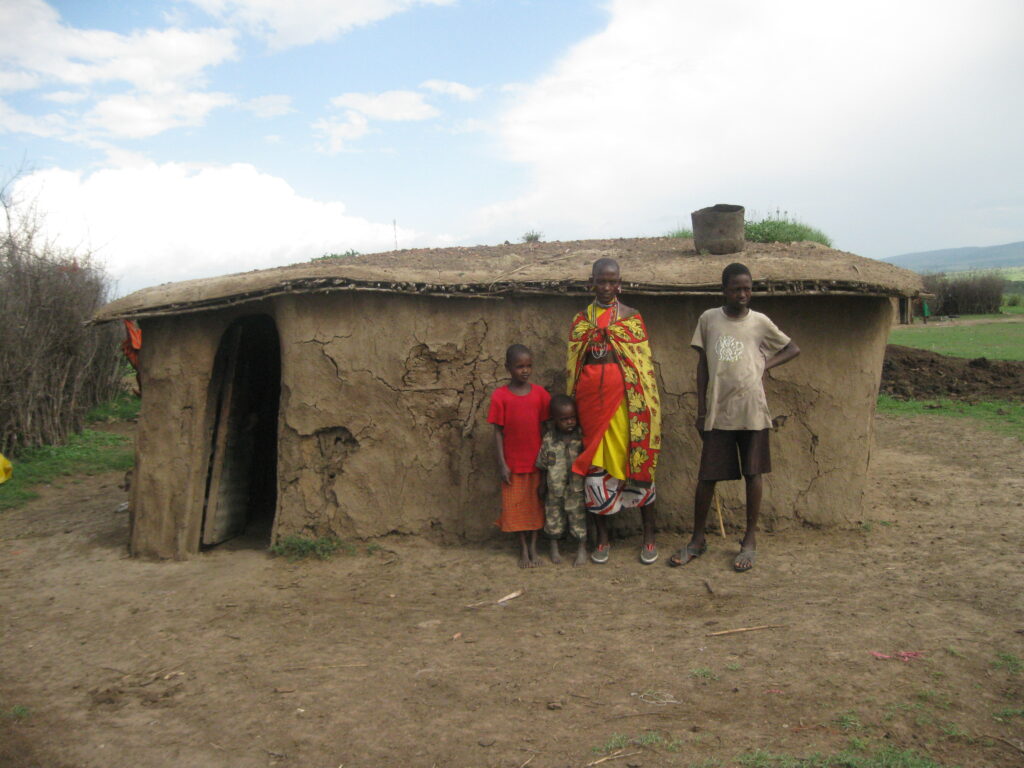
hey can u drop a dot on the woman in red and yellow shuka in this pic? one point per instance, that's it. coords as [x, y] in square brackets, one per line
[611, 375]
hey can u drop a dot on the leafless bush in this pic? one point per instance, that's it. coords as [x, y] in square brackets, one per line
[974, 293]
[53, 368]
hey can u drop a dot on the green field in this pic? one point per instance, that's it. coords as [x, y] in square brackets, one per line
[1002, 417]
[996, 341]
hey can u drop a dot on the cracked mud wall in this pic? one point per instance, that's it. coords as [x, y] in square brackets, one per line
[383, 414]
[384, 404]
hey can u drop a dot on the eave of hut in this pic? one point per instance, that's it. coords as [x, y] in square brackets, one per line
[650, 266]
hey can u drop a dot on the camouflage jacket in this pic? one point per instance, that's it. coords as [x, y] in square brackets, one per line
[556, 457]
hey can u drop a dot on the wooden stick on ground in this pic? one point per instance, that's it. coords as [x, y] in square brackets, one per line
[718, 509]
[611, 757]
[744, 629]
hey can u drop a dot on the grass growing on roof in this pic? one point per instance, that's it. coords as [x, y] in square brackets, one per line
[87, 453]
[772, 229]
[996, 341]
[783, 229]
[1003, 417]
[682, 233]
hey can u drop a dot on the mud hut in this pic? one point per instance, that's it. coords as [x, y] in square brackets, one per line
[348, 397]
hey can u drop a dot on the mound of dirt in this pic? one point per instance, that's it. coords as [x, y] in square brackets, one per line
[910, 373]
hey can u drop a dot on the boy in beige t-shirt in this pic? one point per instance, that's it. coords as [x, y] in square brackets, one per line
[736, 346]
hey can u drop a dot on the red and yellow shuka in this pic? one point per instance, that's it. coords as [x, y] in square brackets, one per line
[631, 408]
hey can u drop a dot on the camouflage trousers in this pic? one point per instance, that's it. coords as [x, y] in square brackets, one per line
[559, 510]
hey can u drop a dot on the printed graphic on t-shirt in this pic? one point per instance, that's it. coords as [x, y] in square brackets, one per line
[729, 349]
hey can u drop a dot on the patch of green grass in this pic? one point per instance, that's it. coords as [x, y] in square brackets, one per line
[1004, 715]
[1012, 664]
[1003, 417]
[328, 256]
[300, 547]
[996, 341]
[682, 233]
[616, 741]
[866, 526]
[934, 698]
[848, 721]
[124, 407]
[17, 712]
[703, 673]
[783, 229]
[647, 739]
[733, 667]
[954, 652]
[87, 453]
[886, 757]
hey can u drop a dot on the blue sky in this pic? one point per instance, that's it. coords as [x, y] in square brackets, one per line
[190, 138]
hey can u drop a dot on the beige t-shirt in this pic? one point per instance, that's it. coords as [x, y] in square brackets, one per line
[737, 350]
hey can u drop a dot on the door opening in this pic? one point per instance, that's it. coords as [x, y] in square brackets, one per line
[241, 484]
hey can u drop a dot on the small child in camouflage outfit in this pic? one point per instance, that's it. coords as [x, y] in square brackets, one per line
[560, 487]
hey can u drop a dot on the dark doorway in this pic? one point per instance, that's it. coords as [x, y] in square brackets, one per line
[241, 485]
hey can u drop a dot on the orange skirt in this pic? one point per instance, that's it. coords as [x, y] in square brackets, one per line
[521, 507]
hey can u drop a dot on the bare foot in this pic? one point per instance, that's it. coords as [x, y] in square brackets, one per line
[525, 561]
[532, 553]
[556, 557]
[581, 556]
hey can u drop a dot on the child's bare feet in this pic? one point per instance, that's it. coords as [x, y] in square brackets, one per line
[532, 552]
[556, 556]
[581, 555]
[525, 559]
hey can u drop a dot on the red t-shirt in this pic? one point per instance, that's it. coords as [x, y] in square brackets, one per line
[520, 417]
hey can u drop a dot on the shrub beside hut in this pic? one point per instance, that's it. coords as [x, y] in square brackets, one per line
[348, 397]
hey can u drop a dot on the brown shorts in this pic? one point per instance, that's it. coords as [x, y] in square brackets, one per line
[726, 451]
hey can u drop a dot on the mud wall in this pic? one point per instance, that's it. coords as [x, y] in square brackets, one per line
[383, 415]
[384, 405]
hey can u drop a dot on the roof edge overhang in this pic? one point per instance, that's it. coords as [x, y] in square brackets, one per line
[493, 291]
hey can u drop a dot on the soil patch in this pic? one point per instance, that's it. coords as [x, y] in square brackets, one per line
[917, 374]
[400, 655]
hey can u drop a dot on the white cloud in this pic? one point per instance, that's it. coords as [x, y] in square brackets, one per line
[34, 41]
[449, 88]
[158, 223]
[65, 97]
[389, 105]
[135, 116]
[300, 22]
[161, 70]
[13, 121]
[678, 105]
[336, 134]
[273, 105]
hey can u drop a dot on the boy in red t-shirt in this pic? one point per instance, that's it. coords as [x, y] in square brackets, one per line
[517, 412]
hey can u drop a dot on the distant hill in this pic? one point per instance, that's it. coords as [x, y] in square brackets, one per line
[962, 259]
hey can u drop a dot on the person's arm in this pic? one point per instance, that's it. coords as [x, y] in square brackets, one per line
[702, 390]
[499, 442]
[782, 357]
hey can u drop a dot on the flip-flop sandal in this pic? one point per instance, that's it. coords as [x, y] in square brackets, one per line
[600, 555]
[688, 552]
[648, 554]
[751, 556]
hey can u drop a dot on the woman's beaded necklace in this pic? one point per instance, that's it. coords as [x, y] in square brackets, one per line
[599, 344]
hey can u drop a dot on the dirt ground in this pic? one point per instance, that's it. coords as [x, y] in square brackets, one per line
[239, 659]
[910, 373]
